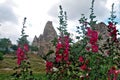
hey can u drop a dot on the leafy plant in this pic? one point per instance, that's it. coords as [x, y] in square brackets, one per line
[23, 70]
[1, 56]
[85, 59]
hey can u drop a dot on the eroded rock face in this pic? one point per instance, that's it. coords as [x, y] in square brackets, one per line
[43, 42]
[102, 29]
[49, 32]
[35, 41]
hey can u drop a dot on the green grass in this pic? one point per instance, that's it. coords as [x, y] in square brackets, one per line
[9, 63]
[37, 76]
[4, 76]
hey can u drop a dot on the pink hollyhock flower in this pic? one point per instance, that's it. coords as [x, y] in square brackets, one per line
[117, 71]
[19, 50]
[94, 37]
[49, 66]
[93, 41]
[63, 44]
[59, 46]
[18, 61]
[81, 59]
[26, 48]
[58, 57]
[20, 55]
[66, 52]
[83, 67]
[94, 34]
[88, 48]
[94, 48]
[89, 31]
[110, 25]
[114, 72]
[113, 31]
[66, 57]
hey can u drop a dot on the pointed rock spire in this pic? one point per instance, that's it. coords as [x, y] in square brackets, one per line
[49, 32]
[35, 41]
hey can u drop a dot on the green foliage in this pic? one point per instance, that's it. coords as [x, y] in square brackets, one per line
[92, 16]
[25, 73]
[14, 47]
[23, 40]
[23, 70]
[34, 48]
[113, 16]
[1, 56]
[88, 58]
[62, 22]
[5, 44]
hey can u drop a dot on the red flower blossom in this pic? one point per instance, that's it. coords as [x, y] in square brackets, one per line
[92, 33]
[66, 58]
[89, 31]
[49, 66]
[83, 67]
[88, 48]
[93, 41]
[58, 57]
[20, 55]
[94, 48]
[93, 36]
[81, 59]
[113, 31]
[114, 72]
[26, 48]
[64, 45]
[59, 45]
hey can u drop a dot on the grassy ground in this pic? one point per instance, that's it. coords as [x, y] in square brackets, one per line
[37, 76]
[9, 62]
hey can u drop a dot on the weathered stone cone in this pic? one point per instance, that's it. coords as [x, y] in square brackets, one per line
[43, 42]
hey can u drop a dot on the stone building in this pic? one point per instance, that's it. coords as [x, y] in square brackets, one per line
[43, 42]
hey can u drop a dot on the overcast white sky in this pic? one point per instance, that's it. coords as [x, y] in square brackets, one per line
[38, 12]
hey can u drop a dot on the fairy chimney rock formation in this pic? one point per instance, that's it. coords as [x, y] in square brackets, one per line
[49, 32]
[102, 29]
[43, 42]
[35, 41]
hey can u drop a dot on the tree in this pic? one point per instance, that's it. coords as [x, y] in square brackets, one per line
[1, 56]
[5, 44]
[14, 47]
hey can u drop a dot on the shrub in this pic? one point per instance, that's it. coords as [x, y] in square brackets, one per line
[1, 56]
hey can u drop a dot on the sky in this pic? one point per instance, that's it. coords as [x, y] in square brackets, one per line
[38, 12]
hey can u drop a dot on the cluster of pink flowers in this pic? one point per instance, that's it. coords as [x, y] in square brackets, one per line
[93, 37]
[112, 31]
[21, 53]
[49, 66]
[113, 72]
[84, 66]
[84, 63]
[62, 49]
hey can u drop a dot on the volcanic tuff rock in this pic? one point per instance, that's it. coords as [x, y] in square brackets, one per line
[43, 42]
[102, 29]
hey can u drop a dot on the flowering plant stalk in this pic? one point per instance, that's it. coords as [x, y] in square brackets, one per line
[87, 59]
[23, 71]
